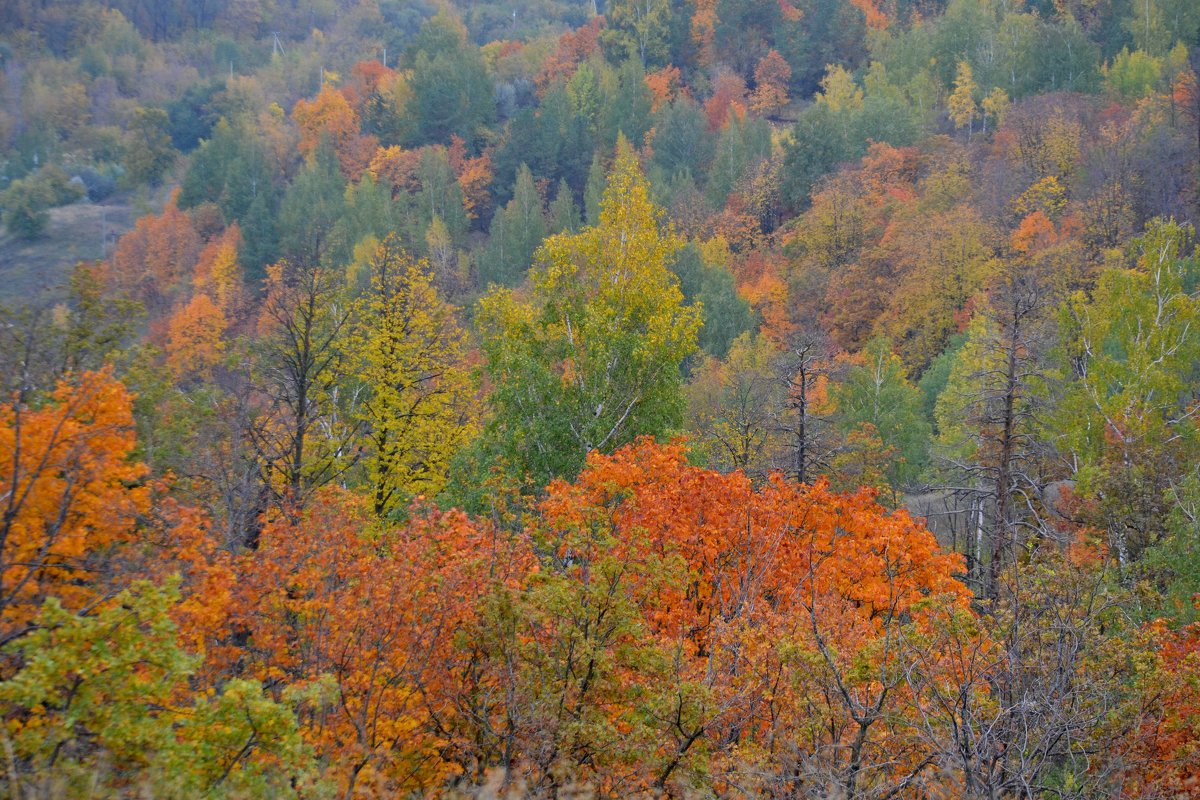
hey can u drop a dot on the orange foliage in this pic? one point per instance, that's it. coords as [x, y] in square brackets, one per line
[365, 79]
[876, 19]
[397, 167]
[330, 115]
[474, 177]
[70, 491]
[704, 26]
[740, 228]
[195, 338]
[771, 77]
[1036, 232]
[152, 261]
[663, 85]
[1167, 754]
[782, 566]
[218, 272]
[376, 607]
[760, 281]
[729, 96]
[574, 47]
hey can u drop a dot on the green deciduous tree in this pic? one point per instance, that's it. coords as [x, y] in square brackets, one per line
[875, 392]
[592, 359]
[1127, 417]
[95, 705]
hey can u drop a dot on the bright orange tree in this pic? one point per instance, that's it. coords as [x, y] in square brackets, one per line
[775, 623]
[70, 490]
[369, 609]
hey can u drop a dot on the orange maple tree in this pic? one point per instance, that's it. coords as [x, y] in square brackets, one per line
[152, 261]
[788, 596]
[330, 116]
[71, 490]
[375, 606]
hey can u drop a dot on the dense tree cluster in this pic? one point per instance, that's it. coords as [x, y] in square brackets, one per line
[641, 398]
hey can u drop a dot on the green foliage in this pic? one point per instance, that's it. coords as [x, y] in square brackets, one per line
[627, 106]
[452, 94]
[312, 207]
[725, 314]
[26, 201]
[682, 140]
[148, 150]
[1173, 565]
[937, 375]
[876, 392]
[1132, 75]
[744, 143]
[840, 126]
[516, 233]
[25, 208]
[1126, 418]
[592, 360]
[638, 29]
[563, 211]
[95, 704]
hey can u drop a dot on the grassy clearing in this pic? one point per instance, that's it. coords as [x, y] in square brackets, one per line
[82, 231]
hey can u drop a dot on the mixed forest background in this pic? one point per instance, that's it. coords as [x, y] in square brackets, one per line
[688, 398]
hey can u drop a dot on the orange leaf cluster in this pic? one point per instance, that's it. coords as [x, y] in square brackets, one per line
[152, 261]
[330, 115]
[376, 606]
[70, 490]
[663, 85]
[574, 47]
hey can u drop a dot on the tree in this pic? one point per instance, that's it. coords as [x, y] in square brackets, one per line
[301, 432]
[153, 262]
[637, 29]
[1132, 351]
[312, 207]
[374, 609]
[682, 140]
[709, 284]
[148, 150]
[70, 491]
[219, 274]
[734, 406]
[592, 360]
[771, 77]
[517, 232]
[195, 337]
[407, 351]
[452, 94]
[329, 117]
[96, 702]
[960, 106]
[876, 393]
[25, 208]
[987, 414]
[688, 616]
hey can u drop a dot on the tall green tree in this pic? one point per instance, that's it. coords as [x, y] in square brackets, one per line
[592, 359]
[877, 393]
[1127, 417]
[516, 233]
[638, 29]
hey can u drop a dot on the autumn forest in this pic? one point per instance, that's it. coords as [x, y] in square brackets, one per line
[600, 399]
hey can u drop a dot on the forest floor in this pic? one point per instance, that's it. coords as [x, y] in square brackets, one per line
[82, 231]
